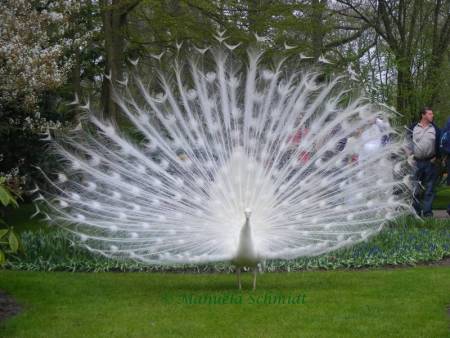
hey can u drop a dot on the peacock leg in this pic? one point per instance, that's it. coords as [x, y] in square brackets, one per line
[255, 270]
[238, 273]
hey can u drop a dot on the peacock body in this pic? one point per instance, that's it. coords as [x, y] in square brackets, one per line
[230, 163]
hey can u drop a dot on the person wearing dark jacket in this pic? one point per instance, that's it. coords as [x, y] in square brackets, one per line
[445, 150]
[425, 141]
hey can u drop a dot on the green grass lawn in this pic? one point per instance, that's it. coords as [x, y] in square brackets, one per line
[408, 302]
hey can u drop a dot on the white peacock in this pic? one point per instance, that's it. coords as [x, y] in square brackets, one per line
[234, 163]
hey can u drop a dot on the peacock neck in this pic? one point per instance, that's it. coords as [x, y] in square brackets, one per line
[246, 245]
[246, 227]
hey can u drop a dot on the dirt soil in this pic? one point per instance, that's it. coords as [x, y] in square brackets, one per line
[8, 306]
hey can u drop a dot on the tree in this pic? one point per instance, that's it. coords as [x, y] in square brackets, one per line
[36, 59]
[418, 35]
[114, 15]
[32, 53]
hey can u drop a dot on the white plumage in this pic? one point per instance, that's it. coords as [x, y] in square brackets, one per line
[217, 138]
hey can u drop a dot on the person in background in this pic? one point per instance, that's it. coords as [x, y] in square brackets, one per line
[445, 151]
[296, 141]
[374, 138]
[424, 138]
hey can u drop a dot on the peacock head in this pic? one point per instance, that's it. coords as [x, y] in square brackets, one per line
[247, 213]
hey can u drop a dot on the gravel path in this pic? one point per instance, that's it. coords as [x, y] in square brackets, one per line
[441, 214]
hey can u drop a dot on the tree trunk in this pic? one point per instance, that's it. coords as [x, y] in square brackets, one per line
[318, 8]
[114, 21]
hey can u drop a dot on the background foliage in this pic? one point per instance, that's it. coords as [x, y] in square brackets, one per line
[55, 52]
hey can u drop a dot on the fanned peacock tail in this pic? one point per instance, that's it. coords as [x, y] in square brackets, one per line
[319, 169]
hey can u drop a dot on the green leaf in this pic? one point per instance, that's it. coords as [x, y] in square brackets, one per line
[6, 198]
[2, 257]
[3, 232]
[14, 202]
[13, 242]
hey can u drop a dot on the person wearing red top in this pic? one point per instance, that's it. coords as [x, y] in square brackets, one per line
[303, 156]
